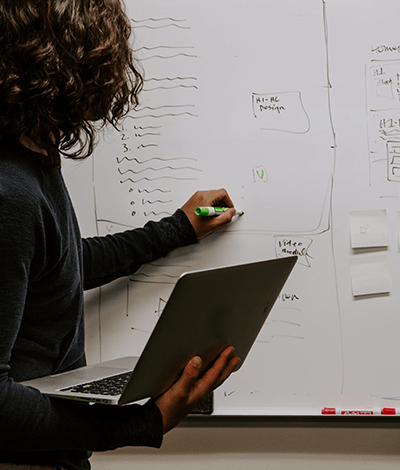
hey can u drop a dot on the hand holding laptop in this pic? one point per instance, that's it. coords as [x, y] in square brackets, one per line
[190, 390]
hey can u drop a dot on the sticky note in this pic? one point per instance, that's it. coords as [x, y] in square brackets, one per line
[368, 229]
[369, 275]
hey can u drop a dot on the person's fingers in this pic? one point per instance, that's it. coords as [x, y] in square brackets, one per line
[190, 390]
[227, 371]
[191, 373]
[223, 219]
[203, 226]
[221, 196]
[219, 372]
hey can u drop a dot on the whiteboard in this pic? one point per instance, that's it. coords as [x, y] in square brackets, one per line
[293, 107]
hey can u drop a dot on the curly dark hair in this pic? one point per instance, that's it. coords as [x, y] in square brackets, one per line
[66, 70]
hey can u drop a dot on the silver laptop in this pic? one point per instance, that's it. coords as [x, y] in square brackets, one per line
[206, 312]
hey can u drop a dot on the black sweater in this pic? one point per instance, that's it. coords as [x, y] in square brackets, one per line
[44, 268]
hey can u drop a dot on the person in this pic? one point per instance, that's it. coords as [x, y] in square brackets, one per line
[66, 70]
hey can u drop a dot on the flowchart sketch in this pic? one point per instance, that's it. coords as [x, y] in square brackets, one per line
[383, 102]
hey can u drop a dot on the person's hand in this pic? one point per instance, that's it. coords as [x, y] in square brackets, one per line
[203, 226]
[189, 391]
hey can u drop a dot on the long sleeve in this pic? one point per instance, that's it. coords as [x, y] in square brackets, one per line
[108, 258]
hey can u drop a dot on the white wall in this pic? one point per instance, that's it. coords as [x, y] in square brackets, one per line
[257, 446]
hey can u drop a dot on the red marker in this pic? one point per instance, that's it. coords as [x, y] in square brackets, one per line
[359, 412]
[328, 411]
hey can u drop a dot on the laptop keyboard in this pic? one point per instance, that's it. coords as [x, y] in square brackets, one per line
[107, 386]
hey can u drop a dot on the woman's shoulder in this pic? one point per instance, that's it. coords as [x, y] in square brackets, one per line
[21, 178]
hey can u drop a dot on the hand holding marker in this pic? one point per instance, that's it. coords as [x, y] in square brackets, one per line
[213, 211]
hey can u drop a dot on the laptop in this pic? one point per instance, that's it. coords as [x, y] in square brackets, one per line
[207, 311]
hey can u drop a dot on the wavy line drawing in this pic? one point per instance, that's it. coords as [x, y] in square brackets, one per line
[154, 281]
[158, 80]
[162, 47]
[162, 27]
[170, 87]
[140, 191]
[145, 281]
[163, 115]
[146, 214]
[156, 275]
[143, 146]
[160, 19]
[146, 134]
[165, 106]
[169, 79]
[158, 201]
[184, 266]
[158, 178]
[146, 127]
[157, 169]
[154, 158]
[181, 54]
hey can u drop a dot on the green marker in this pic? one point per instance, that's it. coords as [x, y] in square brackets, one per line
[211, 211]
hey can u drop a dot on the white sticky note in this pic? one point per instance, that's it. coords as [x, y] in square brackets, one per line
[369, 229]
[369, 275]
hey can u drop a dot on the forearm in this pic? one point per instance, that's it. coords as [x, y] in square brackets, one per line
[108, 258]
[34, 422]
